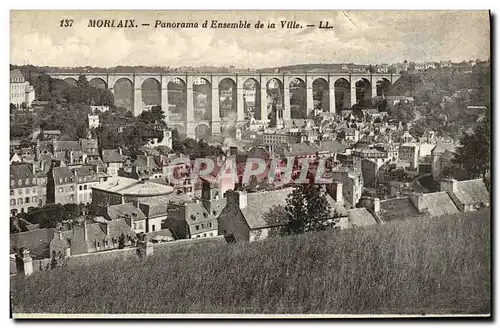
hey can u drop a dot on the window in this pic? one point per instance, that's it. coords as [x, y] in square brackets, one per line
[210, 224]
[60, 181]
[71, 198]
[28, 191]
[27, 200]
[33, 199]
[11, 192]
[12, 183]
[12, 202]
[65, 179]
[20, 201]
[204, 235]
[60, 189]
[85, 187]
[153, 227]
[34, 180]
[19, 191]
[197, 227]
[80, 188]
[211, 234]
[20, 182]
[27, 181]
[71, 189]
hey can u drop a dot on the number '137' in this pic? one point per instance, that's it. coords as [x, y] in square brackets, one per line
[66, 23]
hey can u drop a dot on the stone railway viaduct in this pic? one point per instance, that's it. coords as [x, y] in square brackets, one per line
[189, 124]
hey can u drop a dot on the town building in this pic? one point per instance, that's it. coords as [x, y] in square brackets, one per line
[249, 216]
[408, 155]
[90, 236]
[441, 158]
[352, 184]
[113, 158]
[468, 195]
[193, 219]
[22, 93]
[61, 185]
[121, 190]
[93, 121]
[24, 189]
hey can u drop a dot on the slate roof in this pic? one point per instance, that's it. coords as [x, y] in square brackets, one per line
[112, 156]
[152, 210]
[332, 146]
[444, 146]
[360, 217]
[20, 171]
[62, 172]
[160, 235]
[471, 192]
[200, 213]
[35, 240]
[16, 76]
[116, 228]
[260, 203]
[89, 143]
[142, 160]
[299, 149]
[397, 209]
[115, 212]
[66, 145]
[439, 203]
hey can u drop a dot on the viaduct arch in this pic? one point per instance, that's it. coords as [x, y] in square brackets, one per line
[339, 91]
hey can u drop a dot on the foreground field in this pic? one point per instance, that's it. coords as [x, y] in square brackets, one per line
[439, 265]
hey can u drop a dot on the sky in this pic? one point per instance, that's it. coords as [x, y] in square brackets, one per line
[364, 37]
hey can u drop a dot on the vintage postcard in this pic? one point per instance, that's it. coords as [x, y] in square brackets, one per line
[250, 164]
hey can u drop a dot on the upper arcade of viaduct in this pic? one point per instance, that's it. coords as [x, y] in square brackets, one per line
[330, 79]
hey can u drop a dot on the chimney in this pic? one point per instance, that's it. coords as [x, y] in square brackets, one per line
[449, 185]
[120, 151]
[371, 203]
[242, 199]
[338, 192]
[418, 201]
[24, 262]
[148, 161]
[85, 237]
[376, 205]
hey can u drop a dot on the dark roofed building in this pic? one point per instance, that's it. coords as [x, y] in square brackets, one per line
[468, 195]
[248, 216]
[91, 236]
[36, 241]
[114, 159]
[61, 186]
[24, 191]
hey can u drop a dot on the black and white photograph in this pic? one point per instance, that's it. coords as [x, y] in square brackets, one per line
[250, 164]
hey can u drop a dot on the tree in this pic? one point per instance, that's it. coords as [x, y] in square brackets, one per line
[121, 241]
[307, 209]
[107, 98]
[474, 153]
[176, 141]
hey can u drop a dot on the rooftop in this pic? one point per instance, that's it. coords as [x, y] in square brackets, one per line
[360, 217]
[439, 203]
[472, 192]
[127, 186]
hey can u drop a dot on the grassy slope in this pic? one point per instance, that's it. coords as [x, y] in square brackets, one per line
[439, 265]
